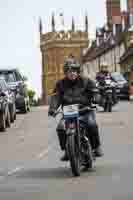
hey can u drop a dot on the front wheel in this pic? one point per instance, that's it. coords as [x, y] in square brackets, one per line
[110, 107]
[73, 155]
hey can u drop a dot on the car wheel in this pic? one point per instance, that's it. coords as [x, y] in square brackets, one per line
[2, 122]
[12, 114]
[15, 116]
[24, 109]
[8, 120]
[28, 108]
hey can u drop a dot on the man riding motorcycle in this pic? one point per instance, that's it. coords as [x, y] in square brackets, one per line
[75, 90]
[100, 76]
[105, 74]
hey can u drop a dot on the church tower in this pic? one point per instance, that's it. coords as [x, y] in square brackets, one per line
[55, 47]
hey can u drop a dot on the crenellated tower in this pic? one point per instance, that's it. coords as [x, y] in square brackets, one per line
[55, 46]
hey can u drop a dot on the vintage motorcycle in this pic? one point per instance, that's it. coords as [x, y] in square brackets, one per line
[106, 91]
[77, 143]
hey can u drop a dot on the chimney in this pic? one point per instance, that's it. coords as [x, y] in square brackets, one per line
[113, 12]
[130, 11]
[130, 5]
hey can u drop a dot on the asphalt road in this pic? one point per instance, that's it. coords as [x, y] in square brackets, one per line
[30, 166]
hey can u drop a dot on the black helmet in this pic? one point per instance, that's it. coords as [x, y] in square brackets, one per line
[71, 63]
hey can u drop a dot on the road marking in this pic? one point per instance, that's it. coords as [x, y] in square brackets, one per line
[14, 171]
[44, 153]
[18, 169]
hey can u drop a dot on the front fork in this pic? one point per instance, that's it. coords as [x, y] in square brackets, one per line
[73, 129]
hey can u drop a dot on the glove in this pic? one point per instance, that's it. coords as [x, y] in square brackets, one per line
[51, 113]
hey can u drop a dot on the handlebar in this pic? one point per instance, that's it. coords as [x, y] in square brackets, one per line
[80, 110]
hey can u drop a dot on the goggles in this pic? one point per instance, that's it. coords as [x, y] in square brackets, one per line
[73, 70]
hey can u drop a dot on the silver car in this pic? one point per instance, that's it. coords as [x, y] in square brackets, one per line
[17, 84]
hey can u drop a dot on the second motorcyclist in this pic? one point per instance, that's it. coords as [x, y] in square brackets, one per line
[103, 74]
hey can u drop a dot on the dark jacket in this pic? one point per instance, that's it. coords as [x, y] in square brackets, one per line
[68, 92]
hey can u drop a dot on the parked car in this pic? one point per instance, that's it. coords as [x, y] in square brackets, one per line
[10, 97]
[4, 107]
[121, 84]
[17, 83]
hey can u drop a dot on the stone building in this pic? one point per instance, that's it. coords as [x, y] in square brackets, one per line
[55, 46]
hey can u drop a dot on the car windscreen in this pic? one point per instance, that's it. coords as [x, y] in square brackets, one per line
[118, 77]
[8, 76]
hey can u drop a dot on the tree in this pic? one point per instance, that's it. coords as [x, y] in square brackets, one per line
[31, 94]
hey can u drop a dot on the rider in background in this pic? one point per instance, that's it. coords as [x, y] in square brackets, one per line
[103, 74]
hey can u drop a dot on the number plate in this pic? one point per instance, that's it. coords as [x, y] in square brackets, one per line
[108, 91]
[108, 81]
[71, 110]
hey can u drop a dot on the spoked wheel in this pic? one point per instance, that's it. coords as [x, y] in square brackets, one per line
[88, 157]
[73, 154]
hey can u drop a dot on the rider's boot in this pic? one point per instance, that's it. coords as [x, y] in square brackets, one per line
[98, 152]
[64, 157]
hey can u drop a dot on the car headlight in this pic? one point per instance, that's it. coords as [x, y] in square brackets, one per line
[18, 90]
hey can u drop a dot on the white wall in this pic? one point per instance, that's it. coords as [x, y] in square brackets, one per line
[111, 56]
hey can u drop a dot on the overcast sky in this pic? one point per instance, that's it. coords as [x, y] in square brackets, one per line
[19, 38]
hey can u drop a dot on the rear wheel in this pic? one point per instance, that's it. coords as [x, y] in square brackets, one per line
[89, 157]
[73, 155]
